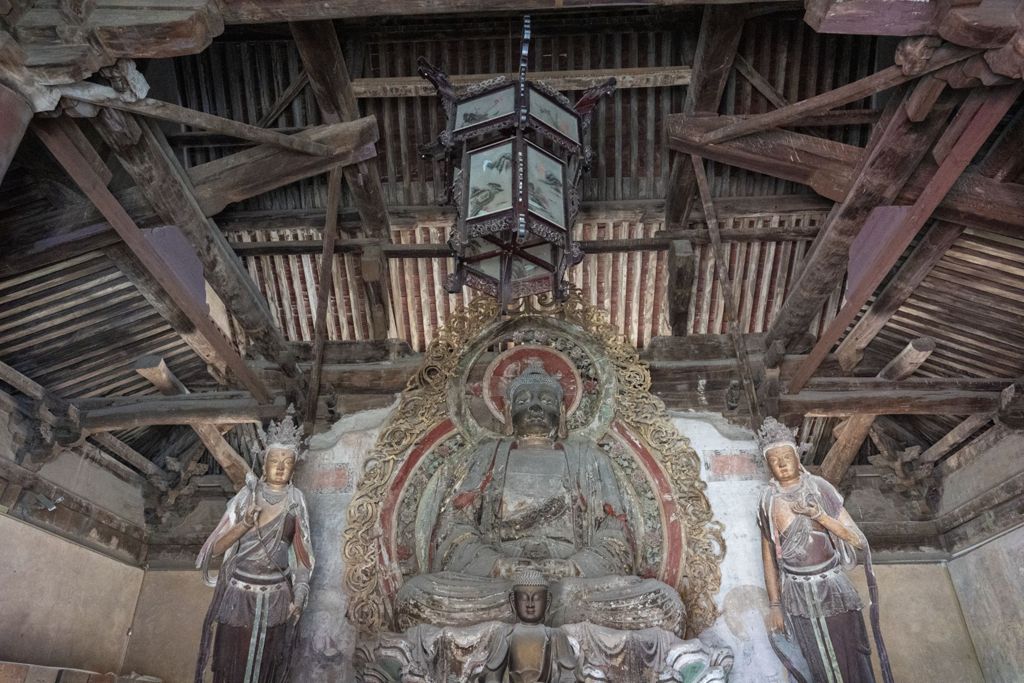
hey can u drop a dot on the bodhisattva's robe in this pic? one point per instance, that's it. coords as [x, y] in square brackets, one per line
[818, 598]
[253, 591]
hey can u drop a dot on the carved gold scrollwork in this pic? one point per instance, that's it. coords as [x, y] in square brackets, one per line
[423, 406]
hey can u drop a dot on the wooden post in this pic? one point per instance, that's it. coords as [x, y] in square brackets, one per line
[323, 295]
[855, 429]
[682, 263]
[15, 113]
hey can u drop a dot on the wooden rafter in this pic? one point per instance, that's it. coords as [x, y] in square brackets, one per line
[329, 78]
[216, 184]
[907, 221]
[93, 187]
[717, 42]
[166, 186]
[212, 408]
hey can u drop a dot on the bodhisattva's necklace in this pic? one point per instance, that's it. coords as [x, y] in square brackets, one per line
[272, 497]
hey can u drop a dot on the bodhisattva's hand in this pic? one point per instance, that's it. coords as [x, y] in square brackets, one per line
[776, 620]
[809, 510]
[555, 567]
[298, 602]
[251, 516]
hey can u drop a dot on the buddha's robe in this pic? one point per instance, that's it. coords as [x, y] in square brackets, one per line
[559, 509]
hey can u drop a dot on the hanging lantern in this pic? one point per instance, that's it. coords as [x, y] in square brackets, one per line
[514, 156]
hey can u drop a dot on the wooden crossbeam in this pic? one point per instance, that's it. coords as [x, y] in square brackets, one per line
[193, 409]
[232, 178]
[909, 221]
[159, 375]
[851, 92]
[15, 113]
[83, 175]
[166, 111]
[844, 451]
[954, 437]
[760, 83]
[829, 168]
[717, 42]
[156, 475]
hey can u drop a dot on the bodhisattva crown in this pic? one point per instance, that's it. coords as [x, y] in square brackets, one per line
[773, 433]
[283, 433]
[534, 375]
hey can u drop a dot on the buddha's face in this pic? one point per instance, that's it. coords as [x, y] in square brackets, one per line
[535, 410]
[278, 466]
[530, 603]
[783, 463]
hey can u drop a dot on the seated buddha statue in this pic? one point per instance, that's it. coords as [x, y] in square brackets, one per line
[540, 501]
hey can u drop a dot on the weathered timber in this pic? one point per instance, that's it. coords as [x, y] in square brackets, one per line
[321, 54]
[15, 113]
[20, 382]
[760, 83]
[717, 42]
[844, 451]
[192, 409]
[235, 467]
[74, 230]
[272, 11]
[82, 173]
[954, 437]
[725, 282]
[682, 264]
[929, 251]
[165, 111]
[154, 474]
[911, 220]
[893, 401]
[284, 101]
[323, 294]
[166, 186]
[896, 148]
[872, 17]
[851, 92]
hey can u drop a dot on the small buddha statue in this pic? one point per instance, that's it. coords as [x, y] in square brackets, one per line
[528, 651]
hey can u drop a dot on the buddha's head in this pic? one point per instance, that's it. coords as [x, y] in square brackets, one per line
[535, 404]
[529, 597]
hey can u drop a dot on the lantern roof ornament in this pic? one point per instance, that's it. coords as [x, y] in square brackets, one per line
[514, 152]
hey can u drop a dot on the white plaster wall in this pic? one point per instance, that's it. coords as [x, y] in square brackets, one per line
[989, 582]
[99, 486]
[62, 604]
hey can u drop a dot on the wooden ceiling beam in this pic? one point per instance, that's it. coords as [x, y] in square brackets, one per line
[717, 43]
[160, 376]
[901, 224]
[214, 408]
[273, 11]
[844, 451]
[851, 92]
[829, 168]
[896, 147]
[167, 188]
[93, 187]
[15, 113]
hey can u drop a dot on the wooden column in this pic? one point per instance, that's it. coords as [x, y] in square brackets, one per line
[15, 113]
[844, 450]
